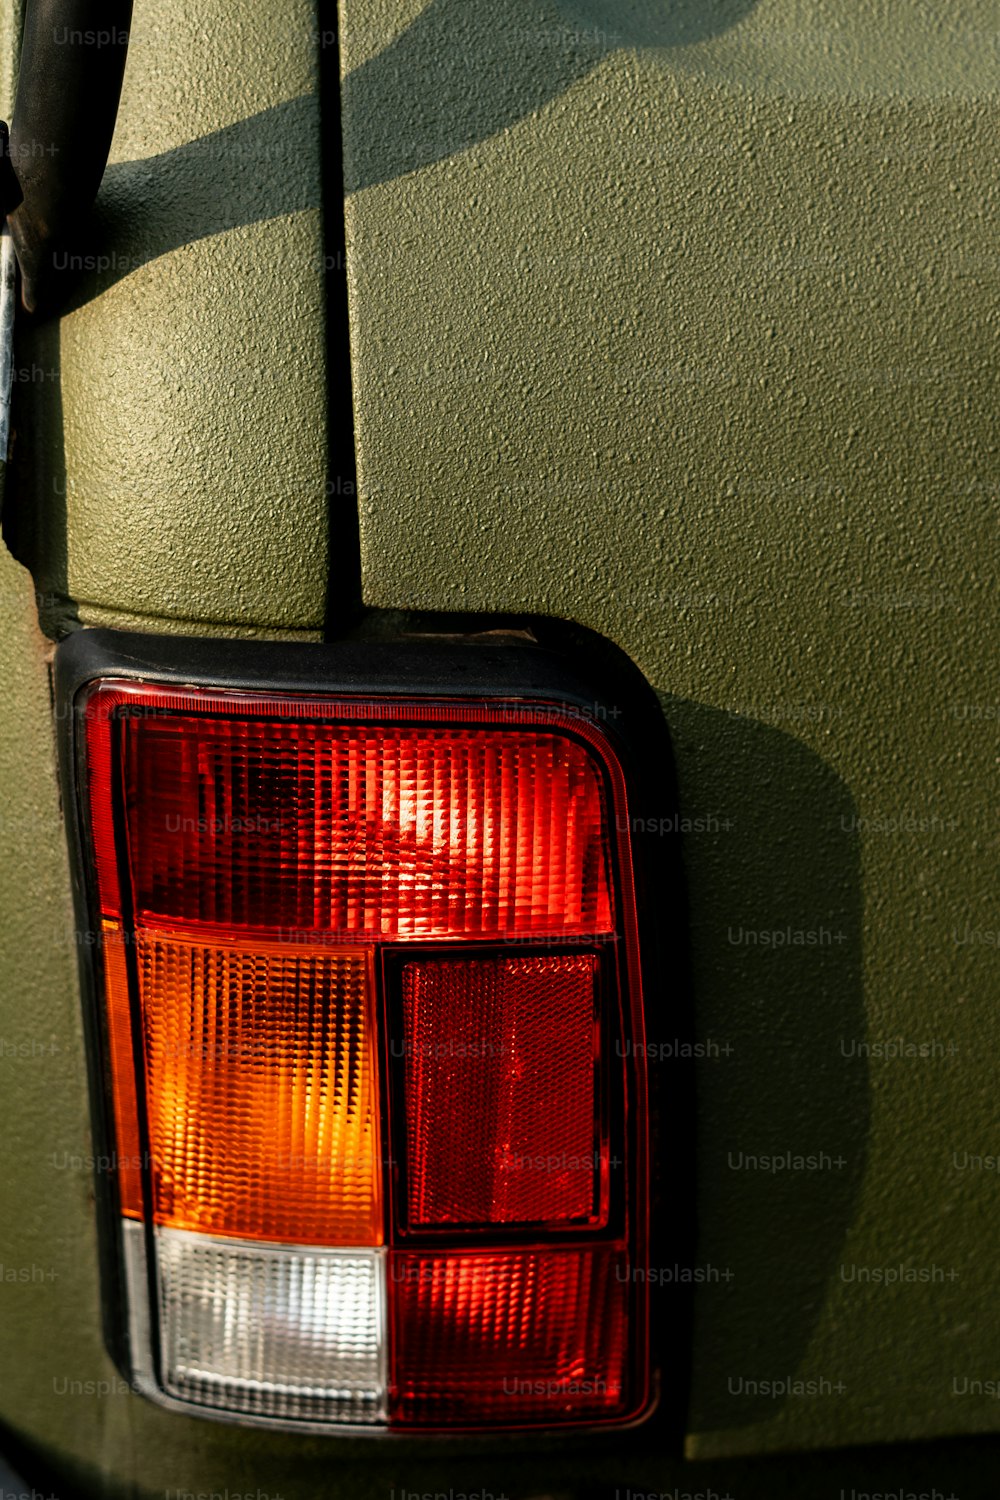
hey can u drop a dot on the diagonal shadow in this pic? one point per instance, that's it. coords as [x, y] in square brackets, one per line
[245, 173]
[461, 73]
[457, 75]
[253, 170]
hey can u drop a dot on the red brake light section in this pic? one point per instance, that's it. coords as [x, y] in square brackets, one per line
[377, 961]
[509, 1337]
[370, 831]
[502, 1084]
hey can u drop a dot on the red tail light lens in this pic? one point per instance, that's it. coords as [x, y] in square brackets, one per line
[502, 1091]
[375, 831]
[508, 1337]
[370, 998]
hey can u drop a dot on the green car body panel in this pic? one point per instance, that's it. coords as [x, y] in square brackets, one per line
[672, 321]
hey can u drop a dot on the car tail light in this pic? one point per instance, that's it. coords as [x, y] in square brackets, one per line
[370, 1011]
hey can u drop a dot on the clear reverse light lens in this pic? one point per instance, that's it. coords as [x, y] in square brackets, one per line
[272, 1331]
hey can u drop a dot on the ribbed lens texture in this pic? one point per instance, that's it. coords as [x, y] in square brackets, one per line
[260, 1091]
[368, 831]
[271, 1332]
[259, 859]
[501, 1108]
[528, 1336]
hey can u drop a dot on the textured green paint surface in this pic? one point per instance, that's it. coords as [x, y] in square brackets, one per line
[675, 320]
[171, 440]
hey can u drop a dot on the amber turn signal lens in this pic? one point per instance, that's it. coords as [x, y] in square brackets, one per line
[260, 1090]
